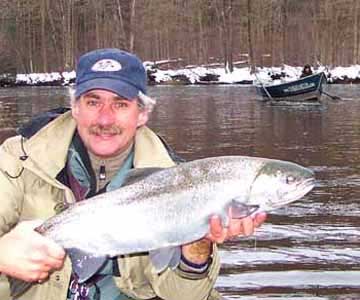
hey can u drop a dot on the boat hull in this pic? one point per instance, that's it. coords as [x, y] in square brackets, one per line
[307, 89]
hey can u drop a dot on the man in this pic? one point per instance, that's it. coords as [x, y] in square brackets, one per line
[62, 159]
[306, 71]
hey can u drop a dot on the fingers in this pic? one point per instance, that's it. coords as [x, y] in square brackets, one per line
[53, 250]
[39, 264]
[42, 260]
[237, 227]
[42, 277]
[259, 219]
[217, 233]
[27, 255]
[48, 260]
[35, 276]
[47, 251]
[50, 256]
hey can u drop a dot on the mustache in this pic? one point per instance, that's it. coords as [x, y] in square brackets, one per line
[107, 130]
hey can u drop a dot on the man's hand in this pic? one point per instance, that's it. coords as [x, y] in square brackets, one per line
[245, 226]
[198, 252]
[27, 255]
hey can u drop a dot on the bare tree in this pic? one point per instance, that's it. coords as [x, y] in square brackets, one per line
[49, 35]
[356, 51]
[250, 43]
[224, 19]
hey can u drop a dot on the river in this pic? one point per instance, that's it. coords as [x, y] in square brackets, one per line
[309, 250]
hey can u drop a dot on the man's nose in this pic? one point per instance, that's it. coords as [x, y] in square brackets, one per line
[106, 115]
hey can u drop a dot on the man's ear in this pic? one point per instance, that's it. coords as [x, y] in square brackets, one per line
[143, 117]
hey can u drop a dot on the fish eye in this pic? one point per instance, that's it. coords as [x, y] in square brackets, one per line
[290, 179]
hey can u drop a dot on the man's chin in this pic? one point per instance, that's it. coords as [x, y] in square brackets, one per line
[105, 137]
[104, 151]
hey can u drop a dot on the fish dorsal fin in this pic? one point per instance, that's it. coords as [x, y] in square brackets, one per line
[85, 265]
[135, 175]
[165, 257]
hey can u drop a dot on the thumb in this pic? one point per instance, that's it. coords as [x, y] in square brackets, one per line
[52, 248]
[35, 223]
[30, 224]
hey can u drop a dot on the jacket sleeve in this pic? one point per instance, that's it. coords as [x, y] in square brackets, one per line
[177, 284]
[11, 195]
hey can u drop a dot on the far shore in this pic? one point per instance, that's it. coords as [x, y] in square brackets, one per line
[195, 76]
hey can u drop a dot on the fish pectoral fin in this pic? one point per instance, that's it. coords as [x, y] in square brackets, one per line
[240, 210]
[85, 265]
[135, 175]
[165, 257]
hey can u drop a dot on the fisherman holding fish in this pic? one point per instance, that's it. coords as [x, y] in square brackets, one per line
[64, 157]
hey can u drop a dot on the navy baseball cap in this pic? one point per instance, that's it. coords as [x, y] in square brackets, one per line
[111, 69]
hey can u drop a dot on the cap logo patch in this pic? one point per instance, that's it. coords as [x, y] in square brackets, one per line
[106, 65]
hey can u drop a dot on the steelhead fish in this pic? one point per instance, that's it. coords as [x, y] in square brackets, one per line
[171, 207]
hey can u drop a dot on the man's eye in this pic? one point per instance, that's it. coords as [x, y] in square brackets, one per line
[118, 105]
[92, 103]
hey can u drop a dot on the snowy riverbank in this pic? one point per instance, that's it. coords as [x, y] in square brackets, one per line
[194, 75]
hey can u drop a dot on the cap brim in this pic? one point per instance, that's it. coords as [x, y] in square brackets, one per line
[116, 86]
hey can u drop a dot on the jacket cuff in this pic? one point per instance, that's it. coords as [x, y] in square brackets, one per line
[193, 266]
[190, 270]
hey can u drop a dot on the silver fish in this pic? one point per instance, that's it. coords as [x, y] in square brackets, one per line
[171, 207]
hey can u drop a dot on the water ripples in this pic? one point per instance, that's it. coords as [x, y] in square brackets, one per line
[309, 250]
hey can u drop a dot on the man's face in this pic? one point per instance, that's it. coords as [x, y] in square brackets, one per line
[106, 122]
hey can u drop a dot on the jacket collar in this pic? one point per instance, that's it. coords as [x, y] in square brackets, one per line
[48, 148]
[150, 151]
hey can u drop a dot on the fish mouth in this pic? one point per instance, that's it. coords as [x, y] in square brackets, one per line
[300, 190]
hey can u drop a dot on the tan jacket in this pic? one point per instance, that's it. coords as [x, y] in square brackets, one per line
[33, 192]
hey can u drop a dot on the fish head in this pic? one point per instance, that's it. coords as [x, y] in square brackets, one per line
[278, 183]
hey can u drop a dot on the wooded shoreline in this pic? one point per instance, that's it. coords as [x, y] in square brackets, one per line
[63, 79]
[40, 36]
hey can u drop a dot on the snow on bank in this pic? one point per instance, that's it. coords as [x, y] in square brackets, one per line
[63, 78]
[196, 75]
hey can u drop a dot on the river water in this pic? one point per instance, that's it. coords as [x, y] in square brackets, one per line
[308, 250]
